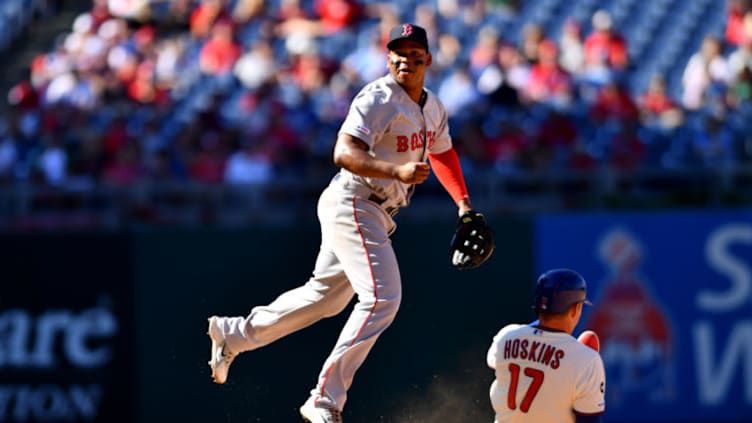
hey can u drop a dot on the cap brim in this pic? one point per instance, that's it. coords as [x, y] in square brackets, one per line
[390, 44]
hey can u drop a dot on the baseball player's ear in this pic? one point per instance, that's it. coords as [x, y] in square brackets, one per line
[429, 59]
[576, 308]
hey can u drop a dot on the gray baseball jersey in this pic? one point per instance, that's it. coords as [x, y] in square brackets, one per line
[356, 255]
[392, 124]
[544, 376]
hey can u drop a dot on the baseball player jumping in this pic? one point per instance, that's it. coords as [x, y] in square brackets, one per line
[393, 126]
[543, 374]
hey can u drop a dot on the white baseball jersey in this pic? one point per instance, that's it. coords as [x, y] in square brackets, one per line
[544, 376]
[393, 126]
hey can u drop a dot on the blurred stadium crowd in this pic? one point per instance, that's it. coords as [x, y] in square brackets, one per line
[253, 91]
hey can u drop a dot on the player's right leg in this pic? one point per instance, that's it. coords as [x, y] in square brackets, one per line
[326, 294]
[296, 309]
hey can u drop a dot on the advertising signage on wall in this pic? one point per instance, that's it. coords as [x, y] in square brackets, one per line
[672, 294]
[65, 343]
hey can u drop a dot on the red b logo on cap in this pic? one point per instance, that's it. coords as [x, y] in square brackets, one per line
[407, 30]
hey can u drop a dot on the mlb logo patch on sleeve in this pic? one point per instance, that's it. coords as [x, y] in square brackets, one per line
[363, 129]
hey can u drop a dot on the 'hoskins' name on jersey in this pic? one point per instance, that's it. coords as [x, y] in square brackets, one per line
[537, 352]
[414, 141]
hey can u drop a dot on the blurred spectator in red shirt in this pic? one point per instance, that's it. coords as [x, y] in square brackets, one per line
[143, 88]
[219, 54]
[614, 103]
[337, 14]
[145, 40]
[205, 15]
[23, 96]
[657, 108]
[549, 83]
[604, 41]
[100, 12]
[736, 10]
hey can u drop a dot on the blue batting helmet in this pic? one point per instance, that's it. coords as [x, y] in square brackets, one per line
[558, 289]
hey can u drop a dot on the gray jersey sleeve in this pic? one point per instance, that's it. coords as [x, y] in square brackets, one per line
[368, 117]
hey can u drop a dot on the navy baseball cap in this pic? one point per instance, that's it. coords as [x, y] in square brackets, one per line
[407, 31]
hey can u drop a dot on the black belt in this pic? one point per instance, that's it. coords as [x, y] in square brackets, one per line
[378, 200]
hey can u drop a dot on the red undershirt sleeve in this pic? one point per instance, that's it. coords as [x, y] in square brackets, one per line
[446, 167]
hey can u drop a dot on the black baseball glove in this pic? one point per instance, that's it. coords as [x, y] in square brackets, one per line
[473, 241]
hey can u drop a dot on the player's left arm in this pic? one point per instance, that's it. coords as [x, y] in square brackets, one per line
[446, 163]
[590, 392]
[446, 167]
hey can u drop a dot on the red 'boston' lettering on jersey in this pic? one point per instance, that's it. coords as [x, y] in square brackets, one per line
[402, 143]
[431, 138]
[414, 141]
[538, 352]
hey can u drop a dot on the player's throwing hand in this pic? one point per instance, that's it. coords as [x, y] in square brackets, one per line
[413, 172]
